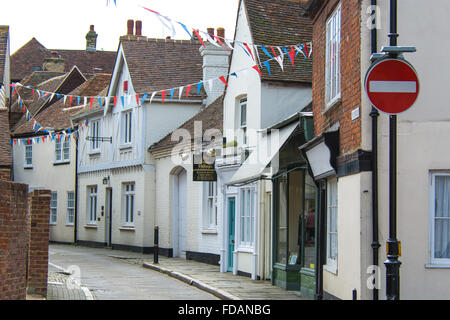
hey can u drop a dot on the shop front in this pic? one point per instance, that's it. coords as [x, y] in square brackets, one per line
[294, 223]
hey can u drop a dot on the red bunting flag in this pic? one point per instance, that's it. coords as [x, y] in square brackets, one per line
[249, 51]
[137, 99]
[199, 38]
[273, 50]
[306, 49]
[292, 55]
[188, 89]
[218, 40]
[115, 101]
[222, 78]
[257, 69]
[163, 94]
[70, 101]
[90, 104]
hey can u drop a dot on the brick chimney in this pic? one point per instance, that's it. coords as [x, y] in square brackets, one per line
[215, 64]
[55, 63]
[130, 27]
[91, 39]
[221, 33]
[138, 27]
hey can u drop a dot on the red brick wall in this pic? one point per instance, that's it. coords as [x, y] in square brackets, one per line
[39, 236]
[5, 174]
[350, 131]
[14, 230]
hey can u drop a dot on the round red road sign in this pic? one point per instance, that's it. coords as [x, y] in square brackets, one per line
[392, 85]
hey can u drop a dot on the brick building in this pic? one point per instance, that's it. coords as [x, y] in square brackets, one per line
[349, 156]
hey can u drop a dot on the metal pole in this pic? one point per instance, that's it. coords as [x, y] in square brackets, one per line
[392, 263]
[155, 245]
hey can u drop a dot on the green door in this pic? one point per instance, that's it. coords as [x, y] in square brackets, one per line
[231, 231]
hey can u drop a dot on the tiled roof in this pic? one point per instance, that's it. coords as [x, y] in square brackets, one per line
[62, 84]
[5, 147]
[278, 22]
[32, 55]
[158, 64]
[57, 116]
[4, 34]
[211, 118]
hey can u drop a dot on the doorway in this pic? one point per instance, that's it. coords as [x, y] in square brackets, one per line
[179, 213]
[231, 231]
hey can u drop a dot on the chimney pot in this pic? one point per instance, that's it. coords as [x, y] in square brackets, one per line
[221, 33]
[130, 27]
[168, 38]
[54, 54]
[92, 27]
[138, 27]
[91, 39]
[211, 32]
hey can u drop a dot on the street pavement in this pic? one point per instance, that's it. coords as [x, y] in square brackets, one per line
[105, 274]
[83, 273]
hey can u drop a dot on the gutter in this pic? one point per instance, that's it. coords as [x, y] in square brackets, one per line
[75, 222]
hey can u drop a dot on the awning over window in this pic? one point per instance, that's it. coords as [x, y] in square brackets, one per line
[265, 152]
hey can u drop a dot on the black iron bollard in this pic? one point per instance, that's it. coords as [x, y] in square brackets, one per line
[155, 245]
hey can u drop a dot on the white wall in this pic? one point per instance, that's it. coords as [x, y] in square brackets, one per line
[46, 175]
[423, 133]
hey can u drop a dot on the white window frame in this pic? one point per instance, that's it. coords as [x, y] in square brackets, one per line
[25, 158]
[247, 218]
[92, 204]
[54, 208]
[70, 217]
[60, 147]
[127, 128]
[243, 125]
[129, 204]
[435, 261]
[332, 213]
[332, 58]
[210, 206]
[95, 133]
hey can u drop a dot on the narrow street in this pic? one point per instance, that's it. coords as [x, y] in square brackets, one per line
[119, 275]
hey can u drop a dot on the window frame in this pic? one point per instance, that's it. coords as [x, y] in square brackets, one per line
[128, 212]
[70, 209]
[247, 219]
[127, 128]
[210, 218]
[25, 162]
[333, 71]
[62, 149]
[94, 145]
[331, 264]
[243, 126]
[92, 212]
[432, 227]
[54, 208]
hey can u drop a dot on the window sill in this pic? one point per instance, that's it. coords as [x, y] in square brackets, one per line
[437, 266]
[28, 168]
[332, 104]
[52, 224]
[245, 249]
[331, 269]
[60, 163]
[69, 224]
[94, 153]
[124, 228]
[209, 231]
[125, 147]
[90, 226]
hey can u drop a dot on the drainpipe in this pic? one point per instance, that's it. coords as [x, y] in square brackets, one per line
[374, 114]
[75, 221]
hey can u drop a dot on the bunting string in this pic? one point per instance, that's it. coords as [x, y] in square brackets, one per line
[70, 100]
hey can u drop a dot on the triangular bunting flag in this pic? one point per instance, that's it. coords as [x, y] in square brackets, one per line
[188, 89]
[257, 69]
[223, 80]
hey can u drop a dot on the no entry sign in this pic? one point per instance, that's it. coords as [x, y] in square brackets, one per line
[392, 85]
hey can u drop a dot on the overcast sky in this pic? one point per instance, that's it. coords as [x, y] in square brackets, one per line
[63, 24]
